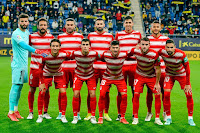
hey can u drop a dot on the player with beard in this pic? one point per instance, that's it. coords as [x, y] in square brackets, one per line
[147, 72]
[100, 42]
[39, 40]
[70, 41]
[19, 64]
[157, 42]
[177, 69]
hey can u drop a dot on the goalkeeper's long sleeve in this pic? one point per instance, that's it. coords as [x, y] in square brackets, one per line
[27, 47]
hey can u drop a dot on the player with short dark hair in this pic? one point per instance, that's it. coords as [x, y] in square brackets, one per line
[157, 42]
[128, 39]
[113, 75]
[51, 70]
[100, 42]
[19, 64]
[70, 41]
[177, 69]
[147, 59]
[84, 72]
[40, 40]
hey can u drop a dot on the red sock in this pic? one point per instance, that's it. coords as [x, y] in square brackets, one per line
[59, 102]
[75, 104]
[149, 100]
[107, 102]
[88, 103]
[123, 105]
[119, 98]
[190, 104]
[79, 107]
[132, 101]
[157, 105]
[46, 101]
[40, 102]
[63, 102]
[136, 105]
[93, 103]
[167, 103]
[101, 105]
[31, 100]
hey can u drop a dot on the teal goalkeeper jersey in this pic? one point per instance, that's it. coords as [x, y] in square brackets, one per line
[20, 55]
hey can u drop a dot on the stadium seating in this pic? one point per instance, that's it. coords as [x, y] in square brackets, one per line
[88, 18]
[176, 10]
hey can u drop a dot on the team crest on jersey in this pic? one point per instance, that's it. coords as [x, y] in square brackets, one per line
[19, 37]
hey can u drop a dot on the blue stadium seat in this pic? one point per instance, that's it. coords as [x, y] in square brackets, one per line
[152, 9]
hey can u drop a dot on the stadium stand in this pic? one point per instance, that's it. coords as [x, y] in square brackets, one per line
[83, 11]
[178, 18]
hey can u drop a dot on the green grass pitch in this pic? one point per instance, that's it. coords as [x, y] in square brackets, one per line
[178, 109]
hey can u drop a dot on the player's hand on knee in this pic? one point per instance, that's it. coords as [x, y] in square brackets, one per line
[157, 87]
[188, 89]
[42, 88]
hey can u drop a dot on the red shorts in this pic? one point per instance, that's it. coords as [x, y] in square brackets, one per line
[105, 85]
[129, 72]
[78, 82]
[169, 81]
[141, 80]
[58, 81]
[99, 73]
[34, 78]
[69, 77]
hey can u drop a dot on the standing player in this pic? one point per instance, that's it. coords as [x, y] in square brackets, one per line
[113, 75]
[70, 41]
[157, 42]
[127, 40]
[100, 42]
[19, 64]
[39, 40]
[147, 59]
[177, 68]
[84, 72]
[51, 70]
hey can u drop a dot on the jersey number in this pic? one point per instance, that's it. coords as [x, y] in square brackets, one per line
[136, 81]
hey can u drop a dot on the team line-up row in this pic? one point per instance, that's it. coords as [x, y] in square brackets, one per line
[72, 59]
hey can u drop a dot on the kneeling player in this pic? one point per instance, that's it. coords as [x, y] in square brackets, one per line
[51, 70]
[146, 74]
[113, 75]
[177, 68]
[84, 72]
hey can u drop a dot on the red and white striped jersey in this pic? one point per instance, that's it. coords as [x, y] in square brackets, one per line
[84, 69]
[157, 44]
[39, 42]
[146, 62]
[100, 43]
[127, 41]
[51, 65]
[175, 64]
[70, 42]
[114, 65]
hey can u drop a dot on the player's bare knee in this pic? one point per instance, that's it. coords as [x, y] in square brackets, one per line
[32, 89]
[122, 93]
[92, 93]
[76, 94]
[62, 90]
[167, 90]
